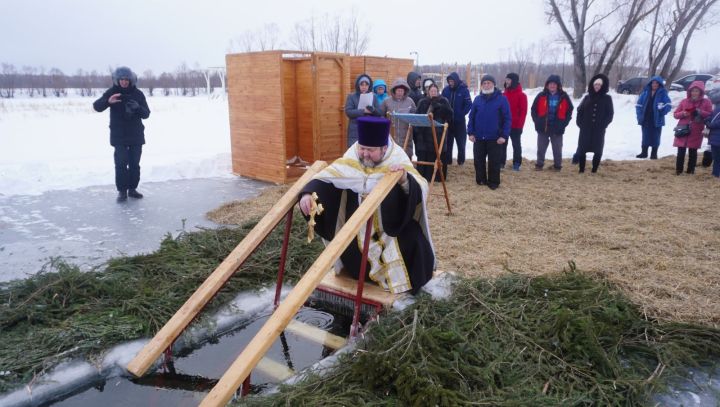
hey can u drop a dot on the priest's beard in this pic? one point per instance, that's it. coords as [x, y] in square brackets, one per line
[368, 163]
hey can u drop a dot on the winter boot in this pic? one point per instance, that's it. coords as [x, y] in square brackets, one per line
[653, 153]
[707, 158]
[133, 193]
[644, 152]
[516, 167]
[122, 196]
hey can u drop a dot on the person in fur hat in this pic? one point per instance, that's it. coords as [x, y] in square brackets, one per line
[594, 115]
[128, 108]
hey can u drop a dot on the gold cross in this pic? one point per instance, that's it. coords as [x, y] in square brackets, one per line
[315, 209]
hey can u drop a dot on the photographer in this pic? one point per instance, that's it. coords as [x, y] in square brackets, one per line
[127, 134]
[363, 84]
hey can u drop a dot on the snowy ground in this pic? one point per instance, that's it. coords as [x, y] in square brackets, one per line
[49, 144]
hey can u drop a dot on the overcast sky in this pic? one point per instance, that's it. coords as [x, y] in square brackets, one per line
[161, 34]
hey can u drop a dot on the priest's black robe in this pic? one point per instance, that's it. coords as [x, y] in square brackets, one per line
[397, 212]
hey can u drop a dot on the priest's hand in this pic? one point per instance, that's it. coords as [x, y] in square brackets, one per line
[398, 167]
[305, 204]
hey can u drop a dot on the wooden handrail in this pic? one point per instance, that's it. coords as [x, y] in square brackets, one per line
[259, 345]
[182, 318]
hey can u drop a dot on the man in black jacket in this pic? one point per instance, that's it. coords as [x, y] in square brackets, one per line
[128, 108]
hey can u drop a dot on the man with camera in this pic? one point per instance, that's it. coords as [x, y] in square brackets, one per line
[128, 108]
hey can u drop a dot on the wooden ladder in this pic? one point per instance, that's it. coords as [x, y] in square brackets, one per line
[240, 370]
[162, 341]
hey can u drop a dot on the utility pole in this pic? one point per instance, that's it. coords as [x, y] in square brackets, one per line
[417, 59]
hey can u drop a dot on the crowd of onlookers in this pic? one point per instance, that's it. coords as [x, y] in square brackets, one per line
[497, 118]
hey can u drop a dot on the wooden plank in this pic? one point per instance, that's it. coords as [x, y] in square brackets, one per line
[290, 114]
[306, 132]
[275, 369]
[182, 318]
[315, 334]
[259, 345]
[344, 283]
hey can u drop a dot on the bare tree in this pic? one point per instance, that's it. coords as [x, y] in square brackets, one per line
[336, 33]
[576, 18]
[521, 58]
[306, 35]
[265, 38]
[673, 24]
[166, 82]
[615, 39]
[149, 80]
[357, 34]
[8, 80]
[30, 77]
[58, 82]
[630, 62]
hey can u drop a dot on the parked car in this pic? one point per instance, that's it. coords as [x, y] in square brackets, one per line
[683, 83]
[713, 83]
[632, 85]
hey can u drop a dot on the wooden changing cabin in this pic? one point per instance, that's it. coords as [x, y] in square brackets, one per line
[287, 108]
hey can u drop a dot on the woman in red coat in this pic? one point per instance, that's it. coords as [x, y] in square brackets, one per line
[692, 111]
[518, 111]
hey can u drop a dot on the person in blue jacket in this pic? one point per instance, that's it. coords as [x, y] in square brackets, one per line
[380, 90]
[652, 106]
[489, 128]
[459, 96]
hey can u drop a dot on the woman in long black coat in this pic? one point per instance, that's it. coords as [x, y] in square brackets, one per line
[594, 115]
[422, 136]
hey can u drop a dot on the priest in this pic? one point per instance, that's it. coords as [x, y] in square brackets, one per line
[401, 256]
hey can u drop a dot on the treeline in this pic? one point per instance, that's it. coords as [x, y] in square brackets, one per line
[39, 82]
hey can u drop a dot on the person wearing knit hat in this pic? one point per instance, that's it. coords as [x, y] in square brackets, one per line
[363, 84]
[551, 112]
[128, 108]
[401, 256]
[518, 110]
[488, 129]
[488, 78]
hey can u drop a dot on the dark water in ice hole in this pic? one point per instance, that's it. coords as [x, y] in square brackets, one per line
[197, 370]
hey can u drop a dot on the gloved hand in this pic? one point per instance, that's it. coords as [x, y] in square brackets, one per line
[132, 106]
